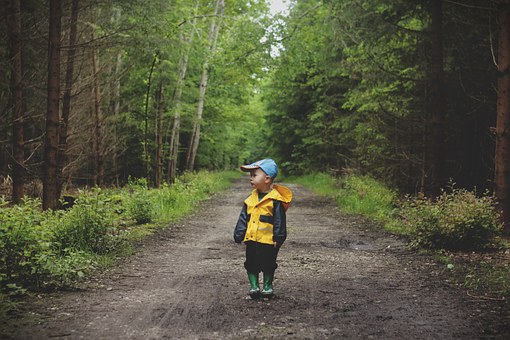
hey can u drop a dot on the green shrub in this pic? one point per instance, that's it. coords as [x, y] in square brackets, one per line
[366, 196]
[457, 220]
[138, 204]
[89, 225]
[139, 207]
[22, 238]
[64, 269]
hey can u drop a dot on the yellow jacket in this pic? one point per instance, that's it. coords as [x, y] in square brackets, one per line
[264, 221]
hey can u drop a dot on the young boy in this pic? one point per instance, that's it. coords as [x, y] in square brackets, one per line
[262, 225]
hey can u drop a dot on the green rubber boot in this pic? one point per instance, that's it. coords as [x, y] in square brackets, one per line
[267, 291]
[254, 285]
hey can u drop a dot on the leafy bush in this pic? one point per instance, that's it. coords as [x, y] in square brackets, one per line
[22, 238]
[367, 196]
[65, 268]
[457, 220]
[88, 225]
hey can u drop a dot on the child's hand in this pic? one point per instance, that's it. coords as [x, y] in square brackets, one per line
[276, 244]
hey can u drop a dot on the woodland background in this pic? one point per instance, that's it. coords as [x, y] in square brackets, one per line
[410, 92]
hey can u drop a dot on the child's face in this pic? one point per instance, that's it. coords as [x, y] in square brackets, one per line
[260, 180]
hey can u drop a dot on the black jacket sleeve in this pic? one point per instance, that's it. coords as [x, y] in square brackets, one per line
[241, 226]
[280, 223]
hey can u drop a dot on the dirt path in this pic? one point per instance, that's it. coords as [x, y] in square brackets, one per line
[337, 278]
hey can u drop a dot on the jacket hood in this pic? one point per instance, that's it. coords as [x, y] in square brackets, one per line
[285, 193]
[279, 192]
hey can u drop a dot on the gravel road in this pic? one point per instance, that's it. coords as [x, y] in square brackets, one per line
[338, 278]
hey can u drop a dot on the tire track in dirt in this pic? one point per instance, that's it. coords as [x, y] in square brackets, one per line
[338, 278]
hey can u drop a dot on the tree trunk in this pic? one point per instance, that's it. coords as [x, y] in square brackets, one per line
[50, 192]
[212, 39]
[116, 114]
[116, 104]
[98, 175]
[159, 137]
[176, 127]
[18, 116]
[66, 100]
[502, 155]
[438, 157]
[146, 130]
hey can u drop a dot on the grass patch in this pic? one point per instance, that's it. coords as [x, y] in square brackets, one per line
[368, 197]
[320, 183]
[354, 194]
[482, 274]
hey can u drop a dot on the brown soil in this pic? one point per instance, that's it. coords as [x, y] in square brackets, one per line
[338, 278]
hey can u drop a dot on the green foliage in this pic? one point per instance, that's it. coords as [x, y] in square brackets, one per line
[138, 204]
[351, 89]
[40, 249]
[456, 220]
[487, 278]
[367, 196]
[172, 202]
[319, 182]
[23, 237]
[65, 267]
[89, 224]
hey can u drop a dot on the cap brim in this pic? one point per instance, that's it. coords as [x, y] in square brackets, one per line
[247, 168]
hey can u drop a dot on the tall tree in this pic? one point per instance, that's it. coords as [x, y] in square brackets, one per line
[186, 43]
[66, 99]
[502, 160]
[214, 30]
[436, 95]
[97, 140]
[115, 98]
[146, 116]
[159, 135]
[18, 116]
[50, 193]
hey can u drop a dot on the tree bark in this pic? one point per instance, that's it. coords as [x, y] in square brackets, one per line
[438, 157]
[502, 154]
[66, 100]
[50, 192]
[18, 116]
[212, 39]
[146, 129]
[159, 137]
[116, 103]
[98, 175]
[176, 126]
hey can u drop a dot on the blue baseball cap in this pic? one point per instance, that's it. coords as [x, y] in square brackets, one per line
[267, 165]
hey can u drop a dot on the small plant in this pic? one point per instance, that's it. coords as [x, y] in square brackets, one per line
[457, 220]
[88, 225]
[66, 268]
[140, 207]
[22, 237]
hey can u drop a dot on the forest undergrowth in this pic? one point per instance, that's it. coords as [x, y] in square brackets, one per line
[460, 227]
[46, 250]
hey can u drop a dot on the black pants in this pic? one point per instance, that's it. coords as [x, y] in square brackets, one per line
[261, 258]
